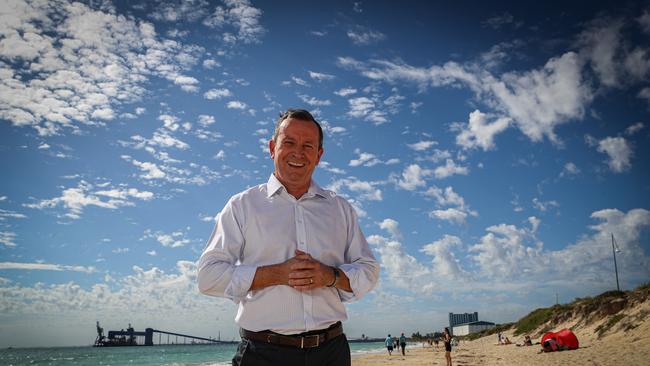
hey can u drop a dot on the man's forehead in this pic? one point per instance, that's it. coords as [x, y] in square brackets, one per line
[295, 125]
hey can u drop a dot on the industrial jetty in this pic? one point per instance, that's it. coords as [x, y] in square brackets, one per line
[150, 337]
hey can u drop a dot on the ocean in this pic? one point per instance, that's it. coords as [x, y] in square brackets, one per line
[176, 355]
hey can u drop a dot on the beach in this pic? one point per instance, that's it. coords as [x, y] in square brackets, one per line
[619, 347]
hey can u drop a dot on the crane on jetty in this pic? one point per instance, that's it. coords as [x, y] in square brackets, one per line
[130, 337]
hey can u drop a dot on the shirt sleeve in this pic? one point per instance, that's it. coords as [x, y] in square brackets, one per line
[360, 265]
[219, 270]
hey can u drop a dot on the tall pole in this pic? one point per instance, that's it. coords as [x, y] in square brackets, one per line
[615, 267]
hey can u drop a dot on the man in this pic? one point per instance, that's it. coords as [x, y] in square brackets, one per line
[402, 344]
[289, 253]
[389, 344]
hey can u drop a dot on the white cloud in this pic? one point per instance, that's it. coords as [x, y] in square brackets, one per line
[570, 169]
[450, 168]
[363, 36]
[8, 239]
[45, 267]
[503, 253]
[362, 190]
[446, 197]
[445, 265]
[369, 160]
[498, 21]
[240, 15]
[217, 94]
[174, 240]
[320, 76]
[313, 101]
[82, 63]
[392, 227]
[344, 92]
[235, 104]
[631, 130]
[451, 214]
[211, 64]
[536, 100]
[618, 151]
[205, 120]
[365, 108]
[544, 205]
[422, 145]
[478, 132]
[412, 177]
[74, 200]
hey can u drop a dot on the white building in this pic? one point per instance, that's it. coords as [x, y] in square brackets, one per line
[472, 327]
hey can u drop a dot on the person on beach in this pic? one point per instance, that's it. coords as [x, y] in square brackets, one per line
[402, 344]
[289, 253]
[446, 337]
[389, 344]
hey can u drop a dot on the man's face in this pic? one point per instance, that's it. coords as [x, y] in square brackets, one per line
[295, 154]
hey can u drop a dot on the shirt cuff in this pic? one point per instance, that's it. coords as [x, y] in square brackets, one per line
[240, 282]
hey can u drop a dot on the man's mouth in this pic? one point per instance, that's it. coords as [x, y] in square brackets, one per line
[296, 165]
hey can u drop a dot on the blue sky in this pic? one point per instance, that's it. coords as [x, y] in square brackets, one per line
[490, 151]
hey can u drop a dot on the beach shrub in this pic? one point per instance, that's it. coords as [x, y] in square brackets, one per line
[539, 317]
[601, 329]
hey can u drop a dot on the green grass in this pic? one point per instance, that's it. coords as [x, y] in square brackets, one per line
[601, 329]
[538, 317]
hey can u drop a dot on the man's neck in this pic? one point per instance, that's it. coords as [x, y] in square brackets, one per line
[297, 192]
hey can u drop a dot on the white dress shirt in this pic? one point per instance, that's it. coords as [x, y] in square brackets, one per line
[264, 225]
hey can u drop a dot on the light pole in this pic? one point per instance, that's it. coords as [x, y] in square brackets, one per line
[614, 250]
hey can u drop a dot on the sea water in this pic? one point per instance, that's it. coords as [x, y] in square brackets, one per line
[176, 355]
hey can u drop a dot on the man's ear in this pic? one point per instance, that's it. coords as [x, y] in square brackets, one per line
[272, 148]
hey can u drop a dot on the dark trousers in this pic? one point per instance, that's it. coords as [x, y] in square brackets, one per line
[335, 352]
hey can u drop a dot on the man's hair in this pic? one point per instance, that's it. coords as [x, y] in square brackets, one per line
[302, 115]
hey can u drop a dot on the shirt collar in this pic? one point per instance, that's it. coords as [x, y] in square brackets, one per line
[273, 186]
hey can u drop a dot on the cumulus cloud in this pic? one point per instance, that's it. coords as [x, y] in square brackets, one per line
[618, 151]
[75, 199]
[412, 177]
[82, 63]
[479, 132]
[450, 168]
[149, 296]
[45, 267]
[314, 102]
[365, 108]
[361, 190]
[175, 239]
[368, 160]
[363, 36]
[444, 262]
[241, 17]
[8, 238]
[451, 214]
[536, 101]
[392, 227]
[217, 94]
[422, 145]
[320, 76]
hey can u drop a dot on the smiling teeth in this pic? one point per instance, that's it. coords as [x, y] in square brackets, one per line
[296, 164]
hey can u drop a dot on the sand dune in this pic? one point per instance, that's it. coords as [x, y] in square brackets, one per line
[625, 343]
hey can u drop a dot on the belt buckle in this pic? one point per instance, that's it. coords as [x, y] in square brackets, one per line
[302, 341]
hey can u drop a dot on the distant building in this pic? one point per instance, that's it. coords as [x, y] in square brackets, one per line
[472, 327]
[456, 319]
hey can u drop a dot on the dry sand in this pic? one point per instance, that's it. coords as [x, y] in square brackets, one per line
[616, 347]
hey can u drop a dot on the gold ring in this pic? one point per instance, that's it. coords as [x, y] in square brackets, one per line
[311, 281]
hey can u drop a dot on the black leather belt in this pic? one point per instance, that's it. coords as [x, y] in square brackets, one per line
[302, 340]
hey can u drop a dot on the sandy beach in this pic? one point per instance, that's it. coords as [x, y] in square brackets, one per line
[618, 347]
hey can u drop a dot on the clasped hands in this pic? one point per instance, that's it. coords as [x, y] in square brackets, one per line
[306, 273]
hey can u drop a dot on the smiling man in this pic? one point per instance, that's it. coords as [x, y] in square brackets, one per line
[289, 253]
